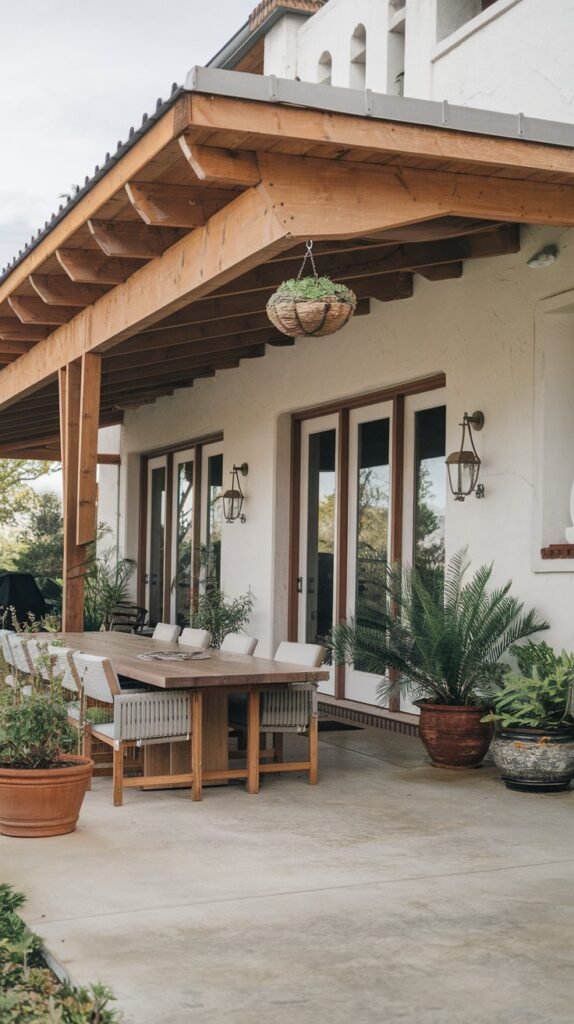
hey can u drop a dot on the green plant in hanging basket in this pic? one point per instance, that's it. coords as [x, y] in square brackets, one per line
[311, 306]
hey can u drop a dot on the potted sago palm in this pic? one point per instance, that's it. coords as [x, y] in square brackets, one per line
[444, 636]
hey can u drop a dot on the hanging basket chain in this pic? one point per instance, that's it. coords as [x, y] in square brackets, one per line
[308, 256]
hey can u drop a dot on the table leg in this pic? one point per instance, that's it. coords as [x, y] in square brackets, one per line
[196, 743]
[253, 741]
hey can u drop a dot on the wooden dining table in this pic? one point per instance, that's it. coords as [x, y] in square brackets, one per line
[211, 679]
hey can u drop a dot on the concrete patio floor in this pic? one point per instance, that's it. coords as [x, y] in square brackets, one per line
[391, 892]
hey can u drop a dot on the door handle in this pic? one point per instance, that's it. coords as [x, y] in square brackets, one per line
[299, 584]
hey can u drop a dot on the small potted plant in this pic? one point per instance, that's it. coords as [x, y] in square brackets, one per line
[534, 743]
[311, 306]
[43, 776]
[443, 636]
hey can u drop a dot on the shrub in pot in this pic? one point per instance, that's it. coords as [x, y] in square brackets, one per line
[534, 743]
[311, 306]
[43, 777]
[442, 636]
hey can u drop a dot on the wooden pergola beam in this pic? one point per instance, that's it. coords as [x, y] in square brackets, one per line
[11, 329]
[367, 135]
[31, 310]
[442, 272]
[124, 239]
[89, 266]
[221, 166]
[58, 290]
[298, 198]
[177, 206]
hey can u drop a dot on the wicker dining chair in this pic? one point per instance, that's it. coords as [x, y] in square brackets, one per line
[291, 708]
[7, 655]
[141, 718]
[21, 662]
[198, 638]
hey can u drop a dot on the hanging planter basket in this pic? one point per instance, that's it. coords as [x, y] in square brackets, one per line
[311, 306]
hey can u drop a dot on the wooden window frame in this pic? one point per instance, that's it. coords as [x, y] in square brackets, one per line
[170, 451]
[342, 407]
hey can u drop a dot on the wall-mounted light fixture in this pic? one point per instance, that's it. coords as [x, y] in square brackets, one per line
[234, 497]
[464, 465]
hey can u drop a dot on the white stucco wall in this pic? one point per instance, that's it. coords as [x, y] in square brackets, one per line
[514, 57]
[480, 331]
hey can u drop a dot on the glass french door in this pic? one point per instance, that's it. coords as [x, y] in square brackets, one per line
[212, 512]
[156, 537]
[369, 529]
[318, 521]
[183, 512]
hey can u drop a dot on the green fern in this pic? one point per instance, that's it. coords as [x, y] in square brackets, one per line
[442, 636]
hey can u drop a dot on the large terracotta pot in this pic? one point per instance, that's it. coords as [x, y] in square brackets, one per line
[454, 737]
[43, 801]
[535, 760]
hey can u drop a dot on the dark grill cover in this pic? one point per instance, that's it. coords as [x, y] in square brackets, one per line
[19, 590]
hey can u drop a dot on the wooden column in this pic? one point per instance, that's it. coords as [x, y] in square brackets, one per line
[79, 385]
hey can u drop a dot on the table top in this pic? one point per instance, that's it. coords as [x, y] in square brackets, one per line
[219, 670]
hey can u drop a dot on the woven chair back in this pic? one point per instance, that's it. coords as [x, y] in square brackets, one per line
[96, 676]
[166, 633]
[235, 643]
[200, 638]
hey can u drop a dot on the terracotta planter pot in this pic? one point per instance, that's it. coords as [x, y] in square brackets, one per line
[535, 760]
[43, 802]
[454, 737]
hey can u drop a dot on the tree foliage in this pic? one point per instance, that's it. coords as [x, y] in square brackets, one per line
[40, 548]
[16, 475]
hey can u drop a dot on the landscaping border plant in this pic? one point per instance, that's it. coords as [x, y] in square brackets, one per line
[30, 993]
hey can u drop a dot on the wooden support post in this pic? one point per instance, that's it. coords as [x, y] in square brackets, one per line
[253, 741]
[86, 520]
[74, 555]
[196, 744]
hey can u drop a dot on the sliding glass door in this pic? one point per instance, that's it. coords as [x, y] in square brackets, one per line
[156, 530]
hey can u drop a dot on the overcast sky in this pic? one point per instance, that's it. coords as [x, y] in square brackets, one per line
[74, 75]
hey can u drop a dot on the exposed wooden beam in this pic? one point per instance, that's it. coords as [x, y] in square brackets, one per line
[177, 206]
[42, 454]
[221, 166]
[373, 198]
[124, 239]
[31, 310]
[7, 357]
[58, 290]
[16, 348]
[235, 239]
[433, 230]
[389, 288]
[442, 272]
[89, 266]
[387, 260]
[86, 521]
[14, 330]
[366, 135]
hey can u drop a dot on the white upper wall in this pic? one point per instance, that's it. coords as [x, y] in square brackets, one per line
[514, 56]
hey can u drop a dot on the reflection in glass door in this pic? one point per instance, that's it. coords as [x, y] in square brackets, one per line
[182, 578]
[369, 528]
[157, 471]
[316, 582]
[212, 474]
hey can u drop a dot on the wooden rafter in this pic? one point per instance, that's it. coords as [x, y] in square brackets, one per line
[86, 520]
[125, 239]
[221, 166]
[32, 310]
[58, 290]
[89, 266]
[14, 330]
[177, 206]
[442, 272]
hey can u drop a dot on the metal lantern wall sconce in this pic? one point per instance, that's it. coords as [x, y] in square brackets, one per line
[464, 465]
[233, 498]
